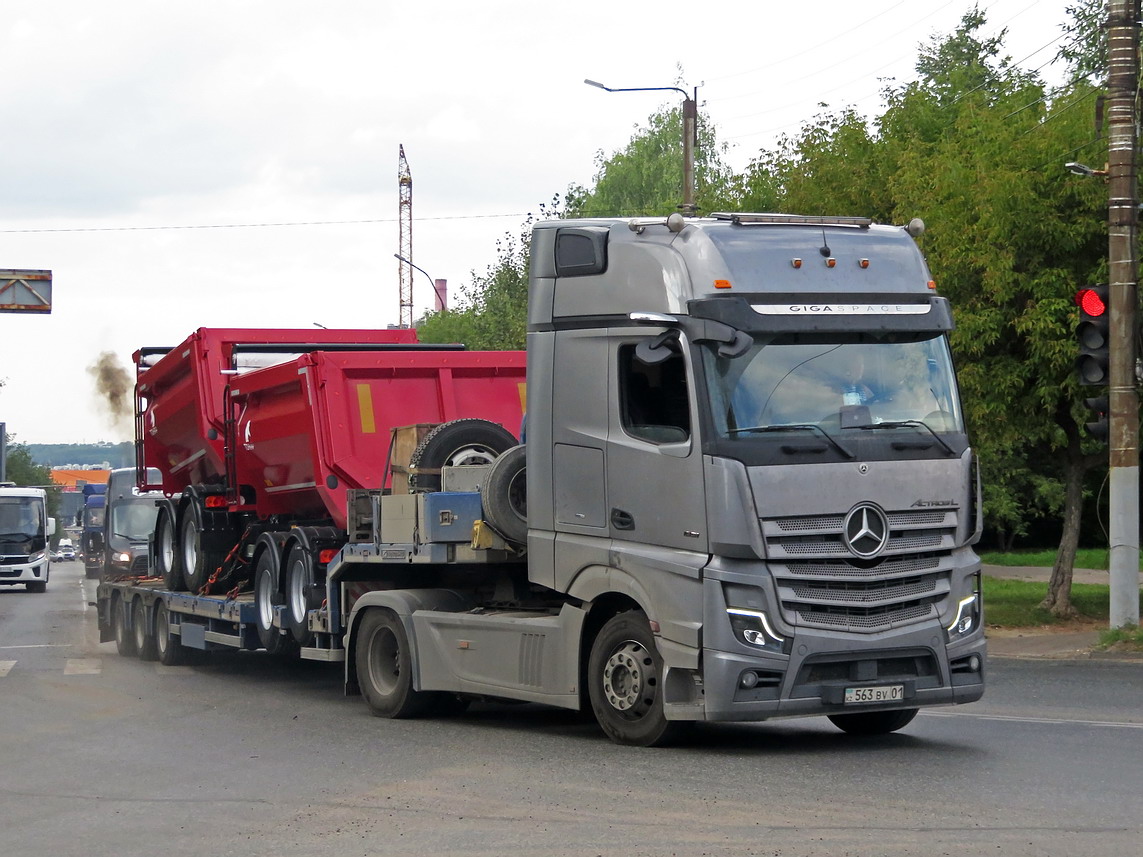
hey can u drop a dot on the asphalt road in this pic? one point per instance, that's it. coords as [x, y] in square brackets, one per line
[242, 755]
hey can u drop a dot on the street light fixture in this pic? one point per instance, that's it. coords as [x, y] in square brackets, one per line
[432, 282]
[1083, 169]
[690, 133]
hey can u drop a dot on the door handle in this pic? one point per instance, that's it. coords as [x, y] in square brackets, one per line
[622, 520]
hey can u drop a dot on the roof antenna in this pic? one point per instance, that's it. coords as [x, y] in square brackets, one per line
[825, 251]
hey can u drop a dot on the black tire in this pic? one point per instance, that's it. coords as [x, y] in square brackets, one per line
[38, 586]
[144, 635]
[873, 722]
[168, 647]
[385, 667]
[192, 556]
[124, 638]
[625, 675]
[302, 594]
[504, 496]
[469, 441]
[168, 560]
[267, 596]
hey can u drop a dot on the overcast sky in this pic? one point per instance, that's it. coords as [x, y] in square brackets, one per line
[144, 141]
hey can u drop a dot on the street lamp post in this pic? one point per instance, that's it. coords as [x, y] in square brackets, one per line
[690, 133]
[441, 301]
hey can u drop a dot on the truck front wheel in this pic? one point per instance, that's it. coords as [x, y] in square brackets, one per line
[625, 676]
[385, 667]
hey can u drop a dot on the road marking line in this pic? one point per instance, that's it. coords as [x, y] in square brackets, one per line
[41, 646]
[1047, 720]
[83, 666]
[6, 667]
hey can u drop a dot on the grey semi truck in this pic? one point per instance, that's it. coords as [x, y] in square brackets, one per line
[746, 492]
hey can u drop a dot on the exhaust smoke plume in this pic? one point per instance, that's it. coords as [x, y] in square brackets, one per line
[114, 388]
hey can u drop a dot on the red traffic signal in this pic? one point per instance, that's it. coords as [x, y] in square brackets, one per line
[1093, 336]
[1092, 301]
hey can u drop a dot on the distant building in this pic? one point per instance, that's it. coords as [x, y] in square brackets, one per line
[71, 482]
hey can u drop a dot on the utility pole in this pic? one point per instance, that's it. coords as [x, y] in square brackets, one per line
[1123, 219]
[405, 238]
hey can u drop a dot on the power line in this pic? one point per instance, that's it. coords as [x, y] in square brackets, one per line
[265, 225]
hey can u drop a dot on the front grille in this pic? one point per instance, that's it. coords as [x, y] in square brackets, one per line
[821, 584]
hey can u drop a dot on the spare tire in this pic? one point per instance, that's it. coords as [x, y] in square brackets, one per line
[504, 496]
[460, 442]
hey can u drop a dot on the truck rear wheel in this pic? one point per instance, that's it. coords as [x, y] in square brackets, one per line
[167, 559]
[504, 496]
[459, 442]
[267, 596]
[873, 722]
[144, 635]
[124, 639]
[385, 667]
[625, 675]
[193, 557]
[301, 594]
[168, 647]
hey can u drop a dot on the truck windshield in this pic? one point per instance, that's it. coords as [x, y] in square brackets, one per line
[829, 387]
[134, 520]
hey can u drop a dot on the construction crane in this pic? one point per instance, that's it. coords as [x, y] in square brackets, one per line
[405, 217]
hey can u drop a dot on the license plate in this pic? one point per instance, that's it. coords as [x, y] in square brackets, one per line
[883, 693]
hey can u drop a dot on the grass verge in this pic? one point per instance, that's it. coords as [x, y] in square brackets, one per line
[1095, 558]
[1016, 603]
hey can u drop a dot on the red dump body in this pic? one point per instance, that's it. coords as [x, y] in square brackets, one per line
[315, 423]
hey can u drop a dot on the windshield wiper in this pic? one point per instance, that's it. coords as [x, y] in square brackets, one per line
[794, 426]
[15, 537]
[910, 424]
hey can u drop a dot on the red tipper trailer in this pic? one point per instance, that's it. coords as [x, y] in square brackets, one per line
[312, 428]
[181, 396]
[260, 434]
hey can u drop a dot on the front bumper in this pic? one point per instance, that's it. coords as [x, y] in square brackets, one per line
[30, 573]
[812, 679]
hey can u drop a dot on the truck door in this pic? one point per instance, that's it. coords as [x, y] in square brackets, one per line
[654, 464]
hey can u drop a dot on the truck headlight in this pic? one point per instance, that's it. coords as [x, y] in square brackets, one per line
[121, 556]
[968, 614]
[753, 628]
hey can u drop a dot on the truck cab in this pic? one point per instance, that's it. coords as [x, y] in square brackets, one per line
[747, 429]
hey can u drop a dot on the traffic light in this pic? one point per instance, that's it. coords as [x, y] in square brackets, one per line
[1093, 335]
[1099, 429]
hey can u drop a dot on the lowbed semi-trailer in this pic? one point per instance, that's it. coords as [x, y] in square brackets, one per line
[747, 491]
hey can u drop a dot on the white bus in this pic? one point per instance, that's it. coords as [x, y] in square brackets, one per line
[25, 529]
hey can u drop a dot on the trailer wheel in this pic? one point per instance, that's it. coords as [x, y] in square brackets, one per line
[144, 635]
[873, 722]
[124, 639]
[625, 675]
[469, 441]
[301, 594]
[167, 551]
[385, 667]
[266, 597]
[170, 651]
[504, 496]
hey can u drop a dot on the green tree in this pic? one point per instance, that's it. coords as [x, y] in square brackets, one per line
[975, 147]
[493, 310]
[645, 177]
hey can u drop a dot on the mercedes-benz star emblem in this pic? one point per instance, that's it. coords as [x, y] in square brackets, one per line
[866, 531]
